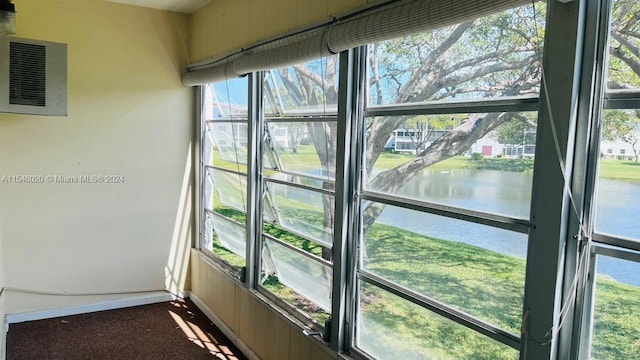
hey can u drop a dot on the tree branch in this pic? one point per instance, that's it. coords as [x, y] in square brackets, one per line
[453, 143]
[417, 76]
[632, 63]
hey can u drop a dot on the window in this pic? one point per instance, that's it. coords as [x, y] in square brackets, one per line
[427, 162]
[224, 159]
[614, 284]
[435, 235]
[299, 185]
[617, 308]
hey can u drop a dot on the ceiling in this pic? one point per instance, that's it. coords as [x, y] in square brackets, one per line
[184, 6]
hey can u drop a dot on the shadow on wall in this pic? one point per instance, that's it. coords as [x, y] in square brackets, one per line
[177, 269]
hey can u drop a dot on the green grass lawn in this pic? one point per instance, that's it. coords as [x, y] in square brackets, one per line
[628, 171]
[389, 160]
[306, 159]
[483, 283]
[616, 332]
[486, 284]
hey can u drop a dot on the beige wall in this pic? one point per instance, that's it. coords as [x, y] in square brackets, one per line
[129, 115]
[227, 25]
[2, 312]
[258, 326]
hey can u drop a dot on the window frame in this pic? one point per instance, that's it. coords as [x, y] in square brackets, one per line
[554, 284]
[599, 243]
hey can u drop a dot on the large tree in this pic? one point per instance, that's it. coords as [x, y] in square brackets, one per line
[624, 72]
[624, 47]
[495, 56]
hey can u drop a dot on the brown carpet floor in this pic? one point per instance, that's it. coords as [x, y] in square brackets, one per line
[172, 330]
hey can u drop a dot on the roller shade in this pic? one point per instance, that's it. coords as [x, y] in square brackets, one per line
[289, 51]
[209, 74]
[398, 18]
[410, 17]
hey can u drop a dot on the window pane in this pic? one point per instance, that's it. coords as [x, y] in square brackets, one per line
[223, 234]
[224, 238]
[208, 189]
[624, 45]
[618, 206]
[616, 332]
[228, 142]
[231, 235]
[309, 88]
[224, 145]
[307, 277]
[475, 161]
[475, 268]
[305, 147]
[495, 56]
[303, 212]
[300, 149]
[230, 189]
[389, 327]
[227, 99]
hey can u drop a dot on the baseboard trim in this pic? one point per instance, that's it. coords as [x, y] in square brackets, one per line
[224, 328]
[88, 308]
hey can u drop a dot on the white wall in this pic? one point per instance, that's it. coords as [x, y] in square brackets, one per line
[129, 115]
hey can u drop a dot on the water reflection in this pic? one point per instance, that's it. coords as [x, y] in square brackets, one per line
[506, 193]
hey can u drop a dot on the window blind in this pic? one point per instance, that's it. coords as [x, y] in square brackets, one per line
[396, 19]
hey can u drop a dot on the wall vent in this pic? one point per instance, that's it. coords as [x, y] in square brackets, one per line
[33, 77]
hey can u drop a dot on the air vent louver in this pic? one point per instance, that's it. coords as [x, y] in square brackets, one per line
[33, 77]
[27, 74]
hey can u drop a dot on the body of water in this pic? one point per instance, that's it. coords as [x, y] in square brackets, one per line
[509, 193]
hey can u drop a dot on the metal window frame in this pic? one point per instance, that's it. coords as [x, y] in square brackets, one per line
[311, 118]
[613, 246]
[512, 104]
[552, 281]
[505, 104]
[254, 181]
[199, 167]
[289, 116]
[515, 104]
[552, 215]
[202, 170]
[303, 186]
[618, 241]
[350, 107]
[230, 171]
[622, 100]
[239, 120]
[577, 258]
[479, 217]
